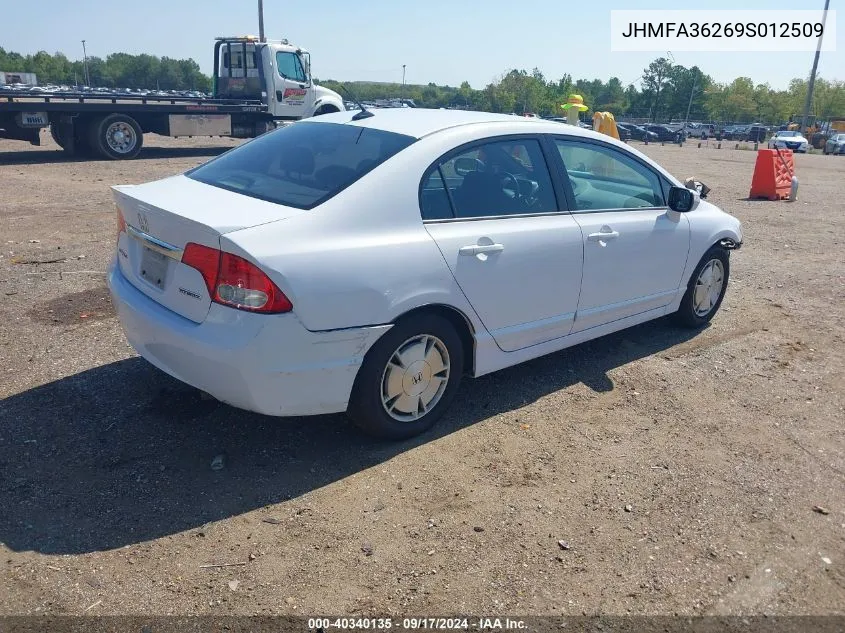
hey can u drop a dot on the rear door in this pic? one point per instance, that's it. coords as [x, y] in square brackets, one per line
[635, 248]
[515, 253]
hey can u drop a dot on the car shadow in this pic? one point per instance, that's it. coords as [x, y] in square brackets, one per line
[122, 453]
[42, 156]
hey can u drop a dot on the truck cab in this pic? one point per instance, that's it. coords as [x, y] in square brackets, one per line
[274, 72]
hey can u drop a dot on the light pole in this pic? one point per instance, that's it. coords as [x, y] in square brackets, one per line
[403, 81]
[85, 64]
[809, 102]
[261, 21]
[691, 95]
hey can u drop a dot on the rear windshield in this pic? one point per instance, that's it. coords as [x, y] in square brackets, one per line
[301, 165]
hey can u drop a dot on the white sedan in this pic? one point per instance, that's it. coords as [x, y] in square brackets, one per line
[364, 262]
[789, 139]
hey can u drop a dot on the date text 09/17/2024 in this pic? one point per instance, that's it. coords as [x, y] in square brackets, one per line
[480, 624]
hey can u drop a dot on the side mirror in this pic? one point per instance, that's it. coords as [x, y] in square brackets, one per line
[682, 199]
[467, 164]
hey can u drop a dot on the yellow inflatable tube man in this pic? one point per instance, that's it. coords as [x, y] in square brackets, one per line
[573, 106]
[605, 123]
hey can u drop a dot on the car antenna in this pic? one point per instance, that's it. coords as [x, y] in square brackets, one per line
[364, 113]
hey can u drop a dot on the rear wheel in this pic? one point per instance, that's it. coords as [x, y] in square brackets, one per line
[706, 289]
[116, 136]
[77, 146]
[58, 137]
[408, 378]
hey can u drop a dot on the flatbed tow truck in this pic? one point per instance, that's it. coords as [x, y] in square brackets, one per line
[257, 85]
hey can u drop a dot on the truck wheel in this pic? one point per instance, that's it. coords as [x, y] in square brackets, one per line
[79, 146]
[116, 136]
[58, 138]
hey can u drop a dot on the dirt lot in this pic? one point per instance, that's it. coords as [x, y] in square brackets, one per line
[681, 470]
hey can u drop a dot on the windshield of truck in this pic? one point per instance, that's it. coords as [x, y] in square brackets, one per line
[301, 165]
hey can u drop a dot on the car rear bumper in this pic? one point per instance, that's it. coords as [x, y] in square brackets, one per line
[269, 364]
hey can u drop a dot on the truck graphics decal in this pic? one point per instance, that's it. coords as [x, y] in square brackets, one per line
[295, 96]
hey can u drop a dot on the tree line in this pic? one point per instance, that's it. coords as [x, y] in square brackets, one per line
[118, 70]
[666, 91]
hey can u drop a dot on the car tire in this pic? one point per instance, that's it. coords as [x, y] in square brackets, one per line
[391, 391]
[703, 298]
[116, 136]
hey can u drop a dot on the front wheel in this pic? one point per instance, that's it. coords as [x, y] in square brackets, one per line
[116, 136]
[706, 289]
[408, 378]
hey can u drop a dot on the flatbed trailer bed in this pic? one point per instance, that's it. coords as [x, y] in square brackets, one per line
[21, 101]
[112, 125]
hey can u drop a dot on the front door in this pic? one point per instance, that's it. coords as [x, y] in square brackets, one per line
[293, 95]
[492, 210]
[635, 248]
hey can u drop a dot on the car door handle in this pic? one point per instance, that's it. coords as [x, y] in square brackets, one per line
[478, 249]
[604, 236]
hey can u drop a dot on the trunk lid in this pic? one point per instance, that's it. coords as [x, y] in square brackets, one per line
[165, 215]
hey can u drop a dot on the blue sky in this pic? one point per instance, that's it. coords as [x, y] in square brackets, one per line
[440, 41]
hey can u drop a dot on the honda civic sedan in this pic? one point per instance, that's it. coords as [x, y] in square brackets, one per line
[364, 262]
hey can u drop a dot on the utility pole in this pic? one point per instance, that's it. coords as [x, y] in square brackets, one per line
[403, 81]
[691, 95]
[85, 64]
[812, 84]
[261, 21]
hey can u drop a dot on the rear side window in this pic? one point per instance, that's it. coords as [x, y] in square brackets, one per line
[498, 178]
[301, 165]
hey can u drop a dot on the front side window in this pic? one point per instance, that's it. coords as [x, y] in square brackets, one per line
[498, 178]
[290, 66]
[604, 178]
[301, 165]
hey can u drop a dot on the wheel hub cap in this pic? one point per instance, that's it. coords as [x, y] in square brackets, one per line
[708, 287]
[121, 137]
[415, 378]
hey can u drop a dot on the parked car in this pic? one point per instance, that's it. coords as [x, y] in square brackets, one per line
[835, 144]
[638, 132]
[789, 139]
[624, 132]
[705, 131]
[756, 133]
[663, 132]
[734, 132]
[364, 262]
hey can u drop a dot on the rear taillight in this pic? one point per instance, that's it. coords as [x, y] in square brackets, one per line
[234, 281]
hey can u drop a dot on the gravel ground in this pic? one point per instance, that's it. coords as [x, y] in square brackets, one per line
[654, 471]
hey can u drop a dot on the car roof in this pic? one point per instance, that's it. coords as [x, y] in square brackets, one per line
[420, 122]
